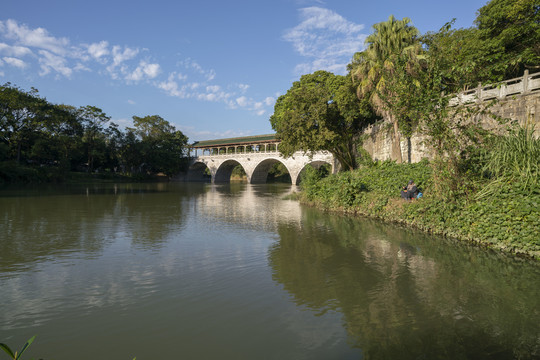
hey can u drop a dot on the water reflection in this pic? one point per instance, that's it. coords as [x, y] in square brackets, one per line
[222, 270]
[46, 223]
[405, 295]
[247, 205]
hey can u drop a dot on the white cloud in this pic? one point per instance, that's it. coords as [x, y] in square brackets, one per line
[119, 55]
[190, 64]
[81, 67]
[131, 102]
[170, 86]
[49, 61]
[15, 62]
[213, 88]
[144, 70]
[53, 54]
[208, 97]
[326, 38]
[98, 50]
[18, 51]
[39, 37]
[242, 101]
[37, 50]
[214, 96]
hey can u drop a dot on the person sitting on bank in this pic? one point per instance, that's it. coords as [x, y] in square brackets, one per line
[404, 194]
[412, 190]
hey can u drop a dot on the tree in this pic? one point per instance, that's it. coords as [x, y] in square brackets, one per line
[510, 34]
[459, 55]
[162, 147]
[321, 112]
[93, 120]
[402, 95]
[22, 114]
[64, 137]
[390, 39]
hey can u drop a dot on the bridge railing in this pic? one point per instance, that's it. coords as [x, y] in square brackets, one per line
[247, 153]
[521, 85]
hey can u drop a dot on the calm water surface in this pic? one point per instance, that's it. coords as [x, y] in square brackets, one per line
[199, 271]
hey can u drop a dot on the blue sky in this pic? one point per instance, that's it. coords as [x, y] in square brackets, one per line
[212, 68]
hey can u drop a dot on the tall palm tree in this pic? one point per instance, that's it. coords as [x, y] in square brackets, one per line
[371, 67]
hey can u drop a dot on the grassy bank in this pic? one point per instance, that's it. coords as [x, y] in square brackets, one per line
[507, 220]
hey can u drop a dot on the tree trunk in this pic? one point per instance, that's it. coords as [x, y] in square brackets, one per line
[19, 145]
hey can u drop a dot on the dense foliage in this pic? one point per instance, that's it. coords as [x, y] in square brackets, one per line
[503, 43]
[321, 112]
[372, 69]
[506, 220]
[478, 186]
[41, 141]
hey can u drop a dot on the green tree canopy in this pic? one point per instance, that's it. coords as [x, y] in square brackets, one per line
[458, 57]
[162, 147]
[93, 120]
[504, 42]
[370, 68]
[22, 115]
[510, 32]
[321, 112]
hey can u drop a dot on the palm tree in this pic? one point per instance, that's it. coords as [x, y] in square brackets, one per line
[370, 68]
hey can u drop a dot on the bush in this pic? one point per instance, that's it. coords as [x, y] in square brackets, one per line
[507, 221]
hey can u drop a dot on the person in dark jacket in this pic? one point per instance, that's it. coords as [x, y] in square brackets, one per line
[404, 194]
[412, 190]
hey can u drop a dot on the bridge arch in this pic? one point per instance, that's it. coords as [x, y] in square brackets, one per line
[316, 164]
[198, 172]
[260, 173]
[224, 171]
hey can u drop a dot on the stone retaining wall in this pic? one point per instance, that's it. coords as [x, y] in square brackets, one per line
[524, 108]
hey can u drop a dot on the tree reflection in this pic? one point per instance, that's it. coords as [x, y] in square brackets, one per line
[405, 295]
[85, 219]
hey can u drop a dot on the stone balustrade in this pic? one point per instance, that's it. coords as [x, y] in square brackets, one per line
[522, 85]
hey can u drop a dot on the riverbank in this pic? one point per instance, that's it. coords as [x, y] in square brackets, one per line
[12, 173]
[507, 221]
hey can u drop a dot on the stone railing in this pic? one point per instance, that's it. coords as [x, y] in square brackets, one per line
[521, 85]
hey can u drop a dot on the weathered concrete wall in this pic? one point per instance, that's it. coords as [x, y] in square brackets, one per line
[523, 108]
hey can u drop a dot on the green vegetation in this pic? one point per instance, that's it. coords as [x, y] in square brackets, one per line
[372, 69]
[321, 112]
[278, 173]
[44, 142]
[499, 209]
[478, 186]
[17, 354]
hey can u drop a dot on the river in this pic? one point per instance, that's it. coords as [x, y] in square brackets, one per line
[200, 271]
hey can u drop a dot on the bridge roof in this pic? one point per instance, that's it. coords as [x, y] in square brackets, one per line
[255, 139]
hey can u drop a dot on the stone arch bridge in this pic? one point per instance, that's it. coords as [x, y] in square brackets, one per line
[256, 155]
